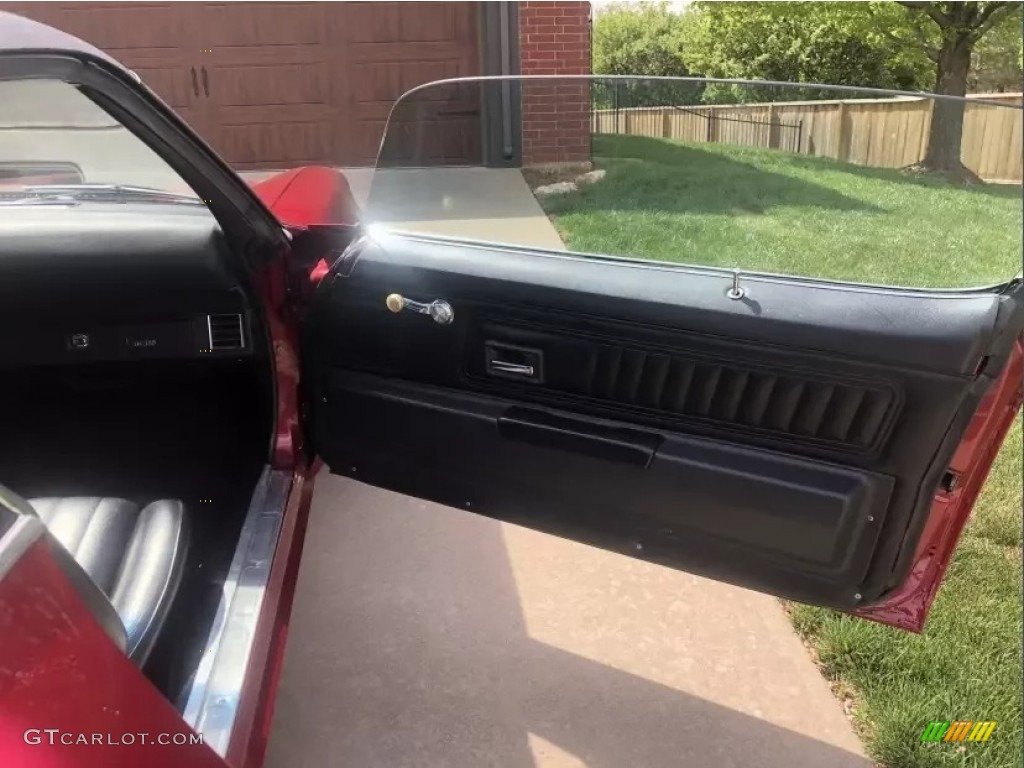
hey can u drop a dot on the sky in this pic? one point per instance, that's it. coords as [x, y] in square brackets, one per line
[676, 5]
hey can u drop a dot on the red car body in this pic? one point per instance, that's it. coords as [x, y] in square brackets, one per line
[61, 676]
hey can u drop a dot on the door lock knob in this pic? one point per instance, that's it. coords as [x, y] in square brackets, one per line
[439, 310]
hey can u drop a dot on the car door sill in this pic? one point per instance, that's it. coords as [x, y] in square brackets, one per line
[213, 700]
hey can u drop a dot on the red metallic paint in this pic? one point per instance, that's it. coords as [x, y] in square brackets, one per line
[272, 285]
[70, 676]
[301, 198]
[908, 606]
[320, 270]
[307, 196]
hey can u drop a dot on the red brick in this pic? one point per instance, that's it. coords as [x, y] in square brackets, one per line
[554, 38]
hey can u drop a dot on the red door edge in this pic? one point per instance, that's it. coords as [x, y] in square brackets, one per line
[282, 327]
[908, 606]
[299, 198]
[251, 730]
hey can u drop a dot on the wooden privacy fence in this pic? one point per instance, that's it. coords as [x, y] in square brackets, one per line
[884, 133]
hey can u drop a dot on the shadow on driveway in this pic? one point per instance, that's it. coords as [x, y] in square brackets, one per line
[412, 643]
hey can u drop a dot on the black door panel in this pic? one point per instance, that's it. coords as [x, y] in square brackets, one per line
[940, 331]
[753, 516]
[586, 437]
[790, 441]
[671, 379]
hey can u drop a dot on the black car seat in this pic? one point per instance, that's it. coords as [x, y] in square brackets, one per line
[135, 556]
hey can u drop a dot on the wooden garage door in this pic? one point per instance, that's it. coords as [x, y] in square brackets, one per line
[275, 85]
[154, 39]
[396, 46]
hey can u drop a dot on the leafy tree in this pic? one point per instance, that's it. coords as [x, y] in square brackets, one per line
[996, 61]
[949, 42]
[836, 43]
[640, 39]
[905, 45]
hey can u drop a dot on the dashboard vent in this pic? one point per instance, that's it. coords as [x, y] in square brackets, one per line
[226, 332]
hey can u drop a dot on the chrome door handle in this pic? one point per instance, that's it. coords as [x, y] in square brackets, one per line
[506, 367]
[439, 310]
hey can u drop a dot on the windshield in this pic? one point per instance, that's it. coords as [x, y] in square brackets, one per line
[52, 135]
[864, 186]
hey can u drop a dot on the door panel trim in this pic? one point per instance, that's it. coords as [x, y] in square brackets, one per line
[665, 378]
[939, 331]
[453, 448]
[586, 437]
[431, 423]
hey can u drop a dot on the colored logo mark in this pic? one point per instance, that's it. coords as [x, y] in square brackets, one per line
[958, 730]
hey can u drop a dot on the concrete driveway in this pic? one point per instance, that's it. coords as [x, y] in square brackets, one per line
[426, 636]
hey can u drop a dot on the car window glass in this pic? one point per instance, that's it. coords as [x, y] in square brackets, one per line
[52, 134]
[780, 178]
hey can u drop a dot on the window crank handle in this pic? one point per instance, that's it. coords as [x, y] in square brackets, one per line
[439, 310]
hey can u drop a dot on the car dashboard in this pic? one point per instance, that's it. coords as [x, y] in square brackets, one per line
[98, 283]
[133, 367]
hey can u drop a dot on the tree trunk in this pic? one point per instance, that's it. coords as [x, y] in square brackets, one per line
[947, 126]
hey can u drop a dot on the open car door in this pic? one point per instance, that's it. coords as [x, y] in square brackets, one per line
[806, 435]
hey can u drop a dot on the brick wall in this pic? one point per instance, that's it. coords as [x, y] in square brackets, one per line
[554, 39]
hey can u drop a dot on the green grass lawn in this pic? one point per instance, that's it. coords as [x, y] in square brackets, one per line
[771, 211]
[757, 209]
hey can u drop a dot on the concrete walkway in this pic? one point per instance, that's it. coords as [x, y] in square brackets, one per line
[426, 636]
